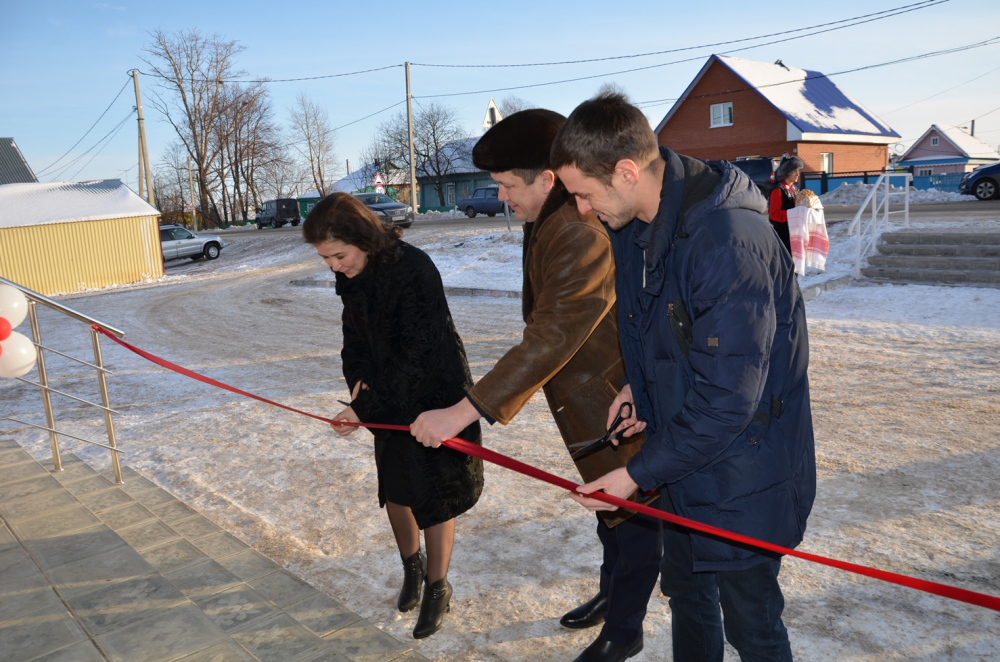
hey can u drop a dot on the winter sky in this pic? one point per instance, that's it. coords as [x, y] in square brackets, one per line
[61, 63]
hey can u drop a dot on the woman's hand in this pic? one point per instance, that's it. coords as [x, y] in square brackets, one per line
[629, 426]
[349, 416]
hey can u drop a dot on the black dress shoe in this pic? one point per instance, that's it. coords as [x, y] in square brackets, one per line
[413, 578]
[586, 615]
[603, 650]
[436, 602]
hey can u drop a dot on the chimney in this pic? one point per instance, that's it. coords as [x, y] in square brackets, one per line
[973, 131]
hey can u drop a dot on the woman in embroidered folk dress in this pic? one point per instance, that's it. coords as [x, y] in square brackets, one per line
[782, 197]
[401, 356]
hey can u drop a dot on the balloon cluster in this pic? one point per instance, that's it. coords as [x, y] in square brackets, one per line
[17, 352]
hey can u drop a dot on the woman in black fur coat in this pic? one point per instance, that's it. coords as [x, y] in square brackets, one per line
[401, 356]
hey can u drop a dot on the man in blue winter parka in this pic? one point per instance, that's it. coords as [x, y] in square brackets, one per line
[713, 331]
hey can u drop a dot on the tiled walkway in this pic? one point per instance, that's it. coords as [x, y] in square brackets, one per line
[92, 572]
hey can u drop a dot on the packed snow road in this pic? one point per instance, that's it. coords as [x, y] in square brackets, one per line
[906, 393]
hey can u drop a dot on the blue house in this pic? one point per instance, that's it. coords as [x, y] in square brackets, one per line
[453, 169]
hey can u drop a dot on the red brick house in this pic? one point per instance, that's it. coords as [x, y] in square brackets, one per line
[736, 107]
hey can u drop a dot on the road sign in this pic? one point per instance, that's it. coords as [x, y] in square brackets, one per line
[378, 183]
[189, 207]
[492, 115]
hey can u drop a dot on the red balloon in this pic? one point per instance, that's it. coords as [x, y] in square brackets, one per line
[4, 329]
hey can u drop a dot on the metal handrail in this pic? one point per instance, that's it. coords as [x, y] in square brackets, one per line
[34, 298]
[857, 225]
[62, 308]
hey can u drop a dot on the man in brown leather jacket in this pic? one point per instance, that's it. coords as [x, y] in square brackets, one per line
[570, 350]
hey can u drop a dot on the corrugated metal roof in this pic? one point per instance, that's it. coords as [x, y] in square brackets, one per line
[68, 202]
[13, 168]
[964, 145]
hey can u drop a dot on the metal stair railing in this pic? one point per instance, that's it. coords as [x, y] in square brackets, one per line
[34, 298]
[868, 228]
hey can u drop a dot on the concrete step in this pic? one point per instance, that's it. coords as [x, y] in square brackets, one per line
[936, 262]
[946, 276]
[92, 571]
[942, 238]
[941, 250]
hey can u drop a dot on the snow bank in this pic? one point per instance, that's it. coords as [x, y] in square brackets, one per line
[439, 215]
[855, 194]
[488, 260]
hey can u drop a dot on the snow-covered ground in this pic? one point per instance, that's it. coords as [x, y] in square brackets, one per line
[906, 400]
[855, 194]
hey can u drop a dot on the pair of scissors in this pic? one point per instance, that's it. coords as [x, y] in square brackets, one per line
[582, 448]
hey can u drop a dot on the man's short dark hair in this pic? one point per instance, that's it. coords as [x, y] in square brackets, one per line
[529, 175]
[602, 131]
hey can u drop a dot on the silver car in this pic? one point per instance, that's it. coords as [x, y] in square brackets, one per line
[178, 242]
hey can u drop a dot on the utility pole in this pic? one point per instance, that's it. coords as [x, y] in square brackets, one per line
[141, 194]
[194, 218]
[144, 161]
[348, 166]
[409, 126]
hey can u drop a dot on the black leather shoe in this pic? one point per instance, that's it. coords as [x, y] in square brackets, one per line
[586, 615]
[436, 602]
[603, 650]
[413, 578]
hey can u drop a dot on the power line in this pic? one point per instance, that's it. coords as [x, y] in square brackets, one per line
[940, 93]
[92, 147]
[663, 64]
[117, 129]
[912, 7]
[988, 42]
[281, 80]
[42, 172]
[377, 112]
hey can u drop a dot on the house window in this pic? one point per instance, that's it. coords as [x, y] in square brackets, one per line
[934, 141]
[450, 193]
[924, 172]
[826, 161]
[722, 114]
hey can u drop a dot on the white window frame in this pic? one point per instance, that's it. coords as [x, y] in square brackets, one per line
[935, 141]
[826, 162]
[925, 172]
[722, 108]
[449, 193]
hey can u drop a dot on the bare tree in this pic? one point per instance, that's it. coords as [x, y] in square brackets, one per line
[511, 104]
[193, 68]
[315, 140]
[381, 154]
[441, 146]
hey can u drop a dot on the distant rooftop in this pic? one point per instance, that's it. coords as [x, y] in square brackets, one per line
[13, 168]
[962, 142]
[809, 100]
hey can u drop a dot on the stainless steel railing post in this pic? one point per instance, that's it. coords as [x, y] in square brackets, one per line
[108, 422]
[43, 381]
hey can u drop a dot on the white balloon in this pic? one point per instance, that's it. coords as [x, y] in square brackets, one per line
[13, 305]
[17, 355]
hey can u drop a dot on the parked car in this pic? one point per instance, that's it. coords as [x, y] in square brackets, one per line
[178, 242]
[392, 212]
[757, 168]
[983, 182]
[278, 212]
[482, 201]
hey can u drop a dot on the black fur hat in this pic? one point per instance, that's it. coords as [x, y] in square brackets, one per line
[522, 140]
[787, 167]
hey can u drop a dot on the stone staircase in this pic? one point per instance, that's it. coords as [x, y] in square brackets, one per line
[964, 258]
[94, 572]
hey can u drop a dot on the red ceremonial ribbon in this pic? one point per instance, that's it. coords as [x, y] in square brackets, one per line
[959, 594]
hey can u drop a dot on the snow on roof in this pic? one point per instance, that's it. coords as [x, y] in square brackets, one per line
[13, 167]
[69, 202]
[811, 101]
[362, 178]
[965, 144]
[462, 163]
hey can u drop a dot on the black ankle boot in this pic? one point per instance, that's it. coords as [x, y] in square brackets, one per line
[587, 615]
[432, 610]
[413, 578]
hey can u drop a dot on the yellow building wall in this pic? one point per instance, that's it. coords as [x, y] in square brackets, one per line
[70, 257]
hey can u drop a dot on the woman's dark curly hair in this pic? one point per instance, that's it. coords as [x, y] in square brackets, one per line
[342, 217]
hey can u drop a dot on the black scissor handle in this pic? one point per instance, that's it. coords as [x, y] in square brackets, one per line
[624, 412]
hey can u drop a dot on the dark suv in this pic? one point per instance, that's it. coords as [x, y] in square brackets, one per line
[983, 182]
[278, 212]
[757, 168]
